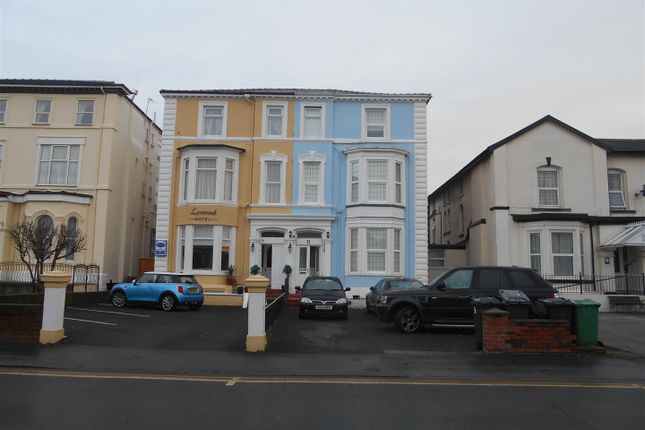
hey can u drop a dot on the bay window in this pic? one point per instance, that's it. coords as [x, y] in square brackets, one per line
[205, 248]
[375, 250]
[535, 252]
[376, 176]
[208, 175]
[562, 252]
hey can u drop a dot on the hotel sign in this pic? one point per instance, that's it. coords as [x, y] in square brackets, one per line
[202, 215]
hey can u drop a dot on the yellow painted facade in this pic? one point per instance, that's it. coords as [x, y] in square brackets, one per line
[113, 196]
[243, 131]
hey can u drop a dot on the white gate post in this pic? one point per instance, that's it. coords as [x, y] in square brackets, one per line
[256, 339]
[55, 283]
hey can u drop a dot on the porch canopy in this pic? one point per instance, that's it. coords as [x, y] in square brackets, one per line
[634, 235]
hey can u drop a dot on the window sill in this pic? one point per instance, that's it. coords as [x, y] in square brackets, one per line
[40, 123]
[212, 136]
[84, 125]
[205, 202]
[269, 205]
[57, 185]
[312, 205]
[621, 211]
[550, 209]
[207, 272]
[382, 205]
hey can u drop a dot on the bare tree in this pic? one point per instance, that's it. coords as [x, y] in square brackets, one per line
[39, 243]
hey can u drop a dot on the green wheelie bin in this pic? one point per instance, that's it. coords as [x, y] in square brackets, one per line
[586, 322]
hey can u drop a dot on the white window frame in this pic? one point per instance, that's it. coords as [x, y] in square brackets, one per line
[575, 252]
[218, 235]
[558, 189]
[361, 229]
[620, 173]
[351, 181]
[353, 250]
[313, 158]
[200, 120]
[192, 154]
[398, 185]
[59, 141]
[538, 254]
[78, 105]
[362, 157]
[265, 119]
[283, 159]
[396, 252]
[303, 108]
[388, 195]
[442, 259]
[3, 119]
[386, 126]
[49, 114]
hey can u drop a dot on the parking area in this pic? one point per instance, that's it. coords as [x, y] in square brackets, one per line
[362, 333]
[208, 329]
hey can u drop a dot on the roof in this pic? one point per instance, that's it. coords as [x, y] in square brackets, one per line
[62, 86]
[633, 235]
[609, 145]
[297, 93]
[68, 86]
[625, 145]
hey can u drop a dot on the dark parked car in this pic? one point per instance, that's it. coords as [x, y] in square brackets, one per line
[323, 295]
[448, 299]
[166, 289]
[385, 285]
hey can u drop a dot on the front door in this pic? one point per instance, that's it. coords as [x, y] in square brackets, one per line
[308, 263]
[273, 263]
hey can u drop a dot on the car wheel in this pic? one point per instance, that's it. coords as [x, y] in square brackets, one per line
[194, 306]
[408, 320]
[367, 307]
[168, 302]
[118, 299]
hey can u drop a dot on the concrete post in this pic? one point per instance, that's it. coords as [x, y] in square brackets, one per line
[54, 306]
[256, 339]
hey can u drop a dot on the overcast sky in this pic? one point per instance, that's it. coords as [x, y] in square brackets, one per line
[493, 67]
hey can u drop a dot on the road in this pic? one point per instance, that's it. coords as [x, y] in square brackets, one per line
[36, 400]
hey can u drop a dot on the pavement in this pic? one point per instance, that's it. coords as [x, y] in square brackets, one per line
[211, 342]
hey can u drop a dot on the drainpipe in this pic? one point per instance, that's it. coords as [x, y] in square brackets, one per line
[96, 182]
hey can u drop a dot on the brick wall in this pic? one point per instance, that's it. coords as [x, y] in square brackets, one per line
[503, 335]
[20, 322]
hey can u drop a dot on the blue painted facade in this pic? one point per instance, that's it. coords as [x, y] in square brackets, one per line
[343, 121]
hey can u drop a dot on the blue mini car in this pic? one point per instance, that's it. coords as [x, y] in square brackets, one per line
[166, 289]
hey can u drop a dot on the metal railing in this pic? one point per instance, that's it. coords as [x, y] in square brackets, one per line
[14, 276]
[618, 283]
[273, 310]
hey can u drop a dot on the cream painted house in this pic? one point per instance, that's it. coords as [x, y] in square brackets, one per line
[548, 197]
[83, 153]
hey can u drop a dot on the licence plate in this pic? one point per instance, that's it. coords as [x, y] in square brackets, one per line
[324, 307]
[193, 290]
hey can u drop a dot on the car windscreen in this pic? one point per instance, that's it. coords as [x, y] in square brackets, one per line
[322, 284]
[405, 284]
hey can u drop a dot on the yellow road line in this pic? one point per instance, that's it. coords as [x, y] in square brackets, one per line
[233, 380]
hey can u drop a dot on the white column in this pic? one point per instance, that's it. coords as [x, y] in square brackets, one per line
[256, 339]
[52, 330]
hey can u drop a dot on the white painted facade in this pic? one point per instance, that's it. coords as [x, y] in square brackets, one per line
[505, 212]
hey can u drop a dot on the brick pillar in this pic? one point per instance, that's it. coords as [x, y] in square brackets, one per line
[52, 330]
[256, 339]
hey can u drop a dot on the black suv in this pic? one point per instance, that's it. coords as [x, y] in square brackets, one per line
[448, 299]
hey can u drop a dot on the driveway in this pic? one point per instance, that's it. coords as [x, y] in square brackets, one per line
[362, 333]
[208, 329]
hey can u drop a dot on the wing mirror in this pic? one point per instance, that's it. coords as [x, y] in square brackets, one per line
[371, 288]
[347, 289]
[298, 288]
[441, 286]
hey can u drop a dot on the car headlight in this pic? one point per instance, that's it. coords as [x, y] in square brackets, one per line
[341, 301]
[383, 300]
[305, 300]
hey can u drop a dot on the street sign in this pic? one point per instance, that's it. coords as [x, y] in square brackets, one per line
[161, 248]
